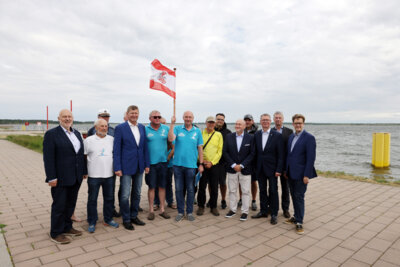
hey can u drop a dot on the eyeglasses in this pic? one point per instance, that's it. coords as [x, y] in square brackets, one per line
[156, 117]
[210, 121]
[298, 123]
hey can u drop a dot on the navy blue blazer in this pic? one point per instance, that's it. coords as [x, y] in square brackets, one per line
[127, 155]
[269, 158]
[300, 161]
[60, 160]
[244, 156]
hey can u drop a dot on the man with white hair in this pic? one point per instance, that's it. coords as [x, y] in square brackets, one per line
[99, 152]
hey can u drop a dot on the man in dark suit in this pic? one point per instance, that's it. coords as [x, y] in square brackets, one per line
[131, 158]
[300, 169]
[286, 132]
[239, 152]
[269, 158]
[65, 167]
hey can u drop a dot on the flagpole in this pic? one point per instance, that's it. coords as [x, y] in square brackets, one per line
[175, 93]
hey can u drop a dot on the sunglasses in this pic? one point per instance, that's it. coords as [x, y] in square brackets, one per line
[156, 117]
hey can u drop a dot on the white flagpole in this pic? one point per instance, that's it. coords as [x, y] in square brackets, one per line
[175, 93]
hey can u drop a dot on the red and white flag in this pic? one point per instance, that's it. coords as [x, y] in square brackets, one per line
[162, 78]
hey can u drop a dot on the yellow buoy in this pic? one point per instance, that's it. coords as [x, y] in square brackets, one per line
[381, 150]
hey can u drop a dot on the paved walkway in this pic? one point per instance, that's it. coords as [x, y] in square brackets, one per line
[349, 223]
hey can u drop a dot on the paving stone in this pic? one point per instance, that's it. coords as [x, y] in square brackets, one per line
[257, 252]
[367, 255]
[61, 255]
[209, 260]
[203, 250]
[295, 262]
[177, 249]
[339, 254]
[88, 256]
[177, 260]
[145, 259]
[284, 253]
[151, 248]
[116, 258]
[235, 261]
[312, 254]
[324, 262]
[392, 256]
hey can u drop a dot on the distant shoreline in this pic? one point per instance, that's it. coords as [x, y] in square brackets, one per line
[5, 122]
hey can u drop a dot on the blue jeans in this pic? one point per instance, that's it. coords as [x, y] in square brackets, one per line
[184, 181]
[107, 185]
[297, 191]
[130, 185]
[169, 197]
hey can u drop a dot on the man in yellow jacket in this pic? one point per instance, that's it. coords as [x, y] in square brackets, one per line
[212, 152]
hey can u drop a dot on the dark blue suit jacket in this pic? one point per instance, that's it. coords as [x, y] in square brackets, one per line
[60, 160]
[128, 156]
[269, 158]
[244, 156]
[300, 161]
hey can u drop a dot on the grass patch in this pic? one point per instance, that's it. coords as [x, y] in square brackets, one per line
[32, 142]
[2, 225]
[347, 176]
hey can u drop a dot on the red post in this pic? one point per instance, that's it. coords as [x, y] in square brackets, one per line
[71, 104]
[47, 111]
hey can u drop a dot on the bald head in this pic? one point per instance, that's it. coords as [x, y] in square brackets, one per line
[66, 119]
[188, 118]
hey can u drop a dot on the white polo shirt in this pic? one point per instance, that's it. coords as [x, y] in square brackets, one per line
[99, 153]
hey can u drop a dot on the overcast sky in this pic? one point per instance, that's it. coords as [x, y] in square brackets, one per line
[331, 60]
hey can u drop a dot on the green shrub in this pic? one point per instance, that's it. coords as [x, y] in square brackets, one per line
[32, 142]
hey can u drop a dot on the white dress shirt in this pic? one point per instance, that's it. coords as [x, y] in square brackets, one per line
[135, 132]
[265, 138]
[74, 140]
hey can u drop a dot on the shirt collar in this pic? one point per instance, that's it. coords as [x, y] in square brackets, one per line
[131, 125]
[266, 132]
[66, 131]
[298, 134]
[239, 135]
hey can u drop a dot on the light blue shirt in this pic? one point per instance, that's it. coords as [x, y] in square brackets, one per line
[157, 143]
[296, 137]
[186, 146]
[239, 139]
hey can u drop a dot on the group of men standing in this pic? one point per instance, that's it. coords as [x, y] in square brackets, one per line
[243, 157]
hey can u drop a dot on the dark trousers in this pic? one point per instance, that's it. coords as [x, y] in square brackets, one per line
[297, 191]
[62, 208]
[285, 193]
[210, 176]
[169, 195]
[268, 194]
[107, 184]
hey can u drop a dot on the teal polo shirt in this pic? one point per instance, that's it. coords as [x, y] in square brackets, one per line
[186, 144]
[157, 143]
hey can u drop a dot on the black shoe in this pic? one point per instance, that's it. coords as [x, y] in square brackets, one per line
[137, 221]
[223, 204]
[116, 214]
[274, 220]
[243, 217]
[286, 214]
[254, 205]
[128, 226]
[230, 214]
[140, 209]
[240, 203]
[259, 215]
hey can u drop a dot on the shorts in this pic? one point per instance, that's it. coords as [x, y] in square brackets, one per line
[157, 176]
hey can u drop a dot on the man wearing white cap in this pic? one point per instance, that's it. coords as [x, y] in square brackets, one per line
[105, 115]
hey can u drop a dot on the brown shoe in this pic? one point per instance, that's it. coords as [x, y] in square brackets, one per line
[61, 239]
[215, 212]
[73, 232]
[165, 215]
[200, 211]
[151, 216]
